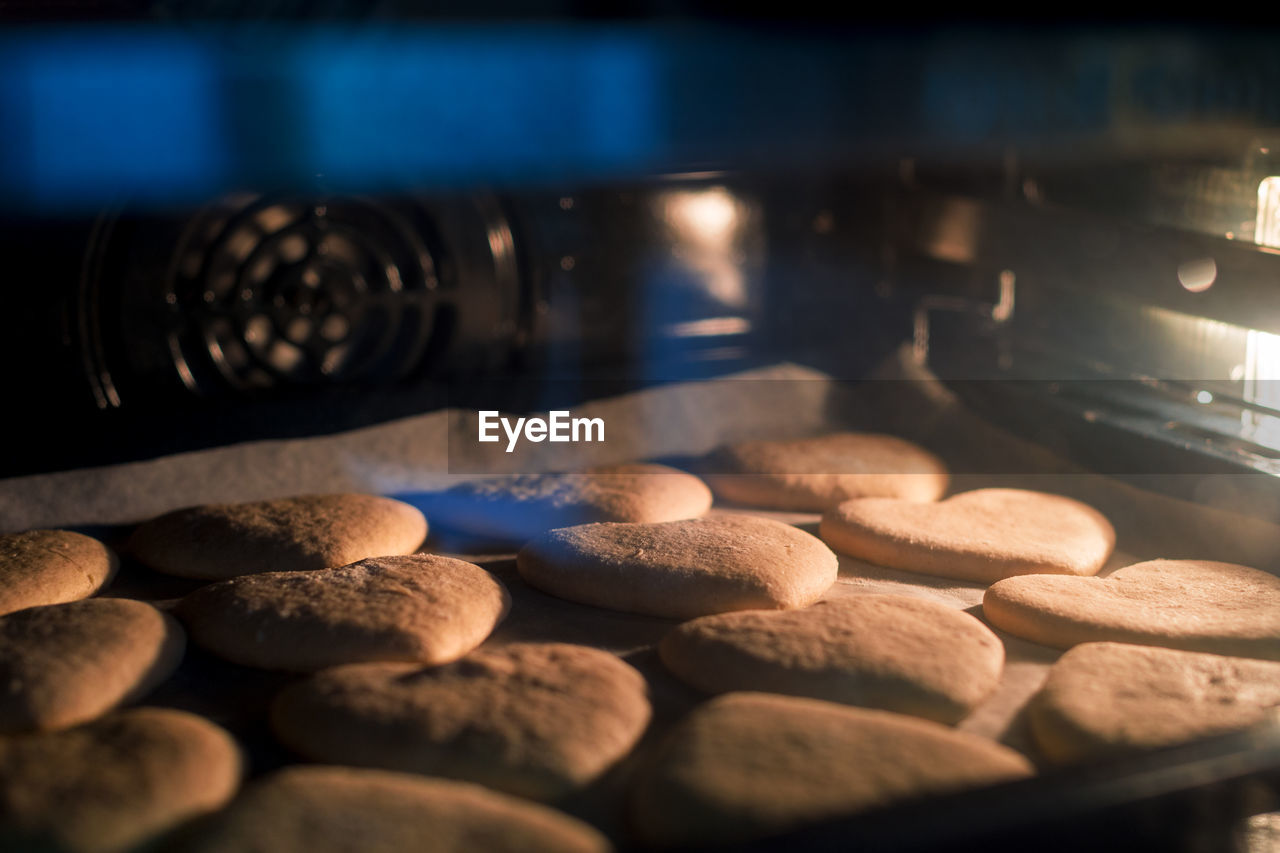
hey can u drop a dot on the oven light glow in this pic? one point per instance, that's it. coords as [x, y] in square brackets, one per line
[1198, 275]
[707, 217]
[1204, 397]
[1267, 229]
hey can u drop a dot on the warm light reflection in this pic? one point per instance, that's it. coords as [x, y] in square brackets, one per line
[706, 225]
[1198, 275]
[1267, 230]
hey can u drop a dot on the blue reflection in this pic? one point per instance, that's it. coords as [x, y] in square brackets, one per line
[89, 116]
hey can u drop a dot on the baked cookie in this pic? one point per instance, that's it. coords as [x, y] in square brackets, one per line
[323, 809]
[421, 607]
[682, 569]
[287, 535]
[747, 765]
[512, 510]
[64, 664]
[1104, 699]
[980, 536]
[812, 474]
[1195, 605]
[51, 567]
[113, 784]
[893, 652]
[534, 719]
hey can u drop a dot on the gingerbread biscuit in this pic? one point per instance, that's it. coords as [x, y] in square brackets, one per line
[64, 664]
[892, 652]
[322, 809]
[1104, 699]
[682, 569]
[748, 765]
[51, 567]
[512, 510]
[114, 784]
[1196, 605]
[980, 536]
[534, 719]
[813, 474]
[421, 607]
[220, 541]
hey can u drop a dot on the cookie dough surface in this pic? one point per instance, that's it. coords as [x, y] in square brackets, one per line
[51, 567]
[682, 569]
[813, 474]
[419, 607]
[64, 664]
[113, 784]
[534, 719]
[892, 652]
[747, 765]
[332, 809]
[1196, 605]
[980, 536]
[1104, 699]
[304, 533]
[512, 510]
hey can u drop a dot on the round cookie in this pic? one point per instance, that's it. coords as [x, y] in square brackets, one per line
[51, 567]
[113, 784]
[1104, 699]
[63, 664]
[748, 765]
[534, 719]
[892, 652]
[812, 474]
[322, 809]
[421, 607]
[297, 534]
[515, 509]
[682, 569]
[1195, 605]
[980, 536]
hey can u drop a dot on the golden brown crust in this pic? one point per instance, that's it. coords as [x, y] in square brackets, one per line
[746, 765]
[514, 509]
[321, 809]
[420, 607]
[51, 567]
[115, 783]
[64, 664]
[682, 569]
[1196, 605]
[812, 474]
[981, 536]
[1104, 699]
[892, 652]
[303, 533]
[534, 719]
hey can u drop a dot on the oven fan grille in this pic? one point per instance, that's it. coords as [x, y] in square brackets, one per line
[267, 293]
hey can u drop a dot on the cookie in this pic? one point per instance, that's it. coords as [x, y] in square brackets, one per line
[682, 569]
[1103, 699]
[748, 765]
[1195, 605]
[322, 809]
[812, 474]
[892, 652]
[299, 534]
[980, 536]
[421, 607]
[534, 719]
[512, 510]
[113, 784]
[64, 664]
[51, 567]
